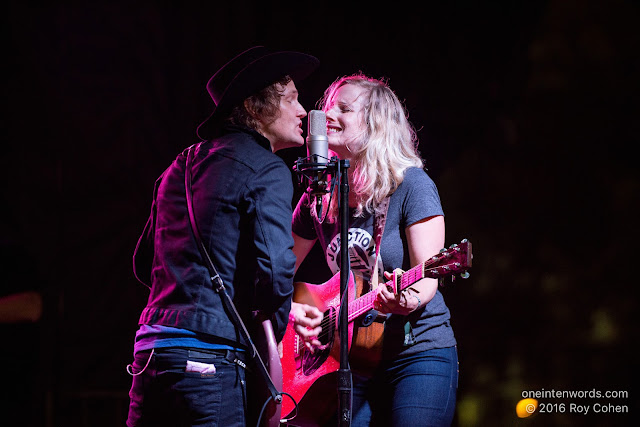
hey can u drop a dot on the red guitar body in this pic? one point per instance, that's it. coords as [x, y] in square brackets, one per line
[301, 368]
[311, 378]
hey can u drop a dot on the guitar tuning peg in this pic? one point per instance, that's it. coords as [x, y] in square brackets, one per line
[455, 245]
[443, 250]
[465, 275]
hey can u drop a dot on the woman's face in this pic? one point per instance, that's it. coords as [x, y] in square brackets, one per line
[345, 119]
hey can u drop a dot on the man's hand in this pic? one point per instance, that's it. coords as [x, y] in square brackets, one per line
[306, 322]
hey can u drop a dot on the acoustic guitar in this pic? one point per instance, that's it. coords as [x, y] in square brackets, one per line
[307, 375]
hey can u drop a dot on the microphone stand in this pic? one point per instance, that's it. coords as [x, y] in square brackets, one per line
[344, 373]
[344, 379]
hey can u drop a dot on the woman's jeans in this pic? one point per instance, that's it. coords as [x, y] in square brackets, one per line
[417, 390]
[186, 387]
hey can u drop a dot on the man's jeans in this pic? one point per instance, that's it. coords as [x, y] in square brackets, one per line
[186, 387]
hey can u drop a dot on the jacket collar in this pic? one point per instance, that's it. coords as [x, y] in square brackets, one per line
[259, 138]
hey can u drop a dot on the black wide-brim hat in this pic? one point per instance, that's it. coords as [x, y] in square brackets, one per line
[247, 74]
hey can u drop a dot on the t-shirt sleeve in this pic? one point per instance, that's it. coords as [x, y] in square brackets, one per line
[421, 199]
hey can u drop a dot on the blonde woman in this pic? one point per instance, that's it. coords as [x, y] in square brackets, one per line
[416, 381]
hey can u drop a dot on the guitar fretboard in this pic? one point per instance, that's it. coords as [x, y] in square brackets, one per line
[365, 303]
[437, 266]
[412, 276]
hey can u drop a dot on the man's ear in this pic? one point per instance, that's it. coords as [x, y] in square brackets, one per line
[258, 122]
[250, 110]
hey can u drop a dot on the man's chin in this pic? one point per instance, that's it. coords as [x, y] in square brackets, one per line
[295, 143]
[298, 142]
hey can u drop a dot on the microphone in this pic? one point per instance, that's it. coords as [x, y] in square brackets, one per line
[318, 146]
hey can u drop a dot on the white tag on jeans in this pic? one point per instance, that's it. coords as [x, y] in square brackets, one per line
[201, 368]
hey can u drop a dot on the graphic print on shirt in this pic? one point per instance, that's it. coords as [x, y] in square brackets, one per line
[362, 253]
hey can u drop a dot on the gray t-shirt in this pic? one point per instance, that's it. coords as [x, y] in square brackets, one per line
[415, 199]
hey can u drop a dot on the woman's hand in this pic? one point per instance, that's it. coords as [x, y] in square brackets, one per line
[388, 302]
[425, 238]
[306, 322]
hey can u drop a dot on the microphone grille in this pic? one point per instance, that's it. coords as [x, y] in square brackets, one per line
[317, 123]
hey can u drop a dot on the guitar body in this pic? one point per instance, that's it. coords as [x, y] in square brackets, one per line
[365, 352]
[311, 378]
[301, 368]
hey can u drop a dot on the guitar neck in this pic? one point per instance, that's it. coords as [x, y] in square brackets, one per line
[454, 260]
[361, 305]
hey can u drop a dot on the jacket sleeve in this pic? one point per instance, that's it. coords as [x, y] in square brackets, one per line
[272, 192]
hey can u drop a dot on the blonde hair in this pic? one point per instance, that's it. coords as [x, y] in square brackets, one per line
[387, 147]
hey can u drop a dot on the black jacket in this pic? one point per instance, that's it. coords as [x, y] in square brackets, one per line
[242, 195]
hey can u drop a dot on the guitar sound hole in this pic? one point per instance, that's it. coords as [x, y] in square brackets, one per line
[312, 361]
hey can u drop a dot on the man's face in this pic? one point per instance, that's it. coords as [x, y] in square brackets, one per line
[286, 130]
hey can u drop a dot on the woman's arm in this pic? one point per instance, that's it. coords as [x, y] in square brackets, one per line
[306, 318]
[301, 248]
[425, 238]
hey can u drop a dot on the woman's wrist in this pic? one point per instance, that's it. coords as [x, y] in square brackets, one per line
[418, 300]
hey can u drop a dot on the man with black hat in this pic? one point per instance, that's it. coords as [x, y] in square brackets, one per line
[190, 356]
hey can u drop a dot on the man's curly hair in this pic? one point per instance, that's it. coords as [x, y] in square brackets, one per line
[264, 105]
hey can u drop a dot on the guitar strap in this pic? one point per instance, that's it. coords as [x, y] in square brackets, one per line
[379, 221]
[218, 285]
[378, 228]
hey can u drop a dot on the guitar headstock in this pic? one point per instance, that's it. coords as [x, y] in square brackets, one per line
[455, 260]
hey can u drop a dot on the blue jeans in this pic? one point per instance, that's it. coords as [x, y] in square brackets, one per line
[418, 390]
[170, 392]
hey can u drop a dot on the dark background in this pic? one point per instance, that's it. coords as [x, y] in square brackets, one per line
[528, 121]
